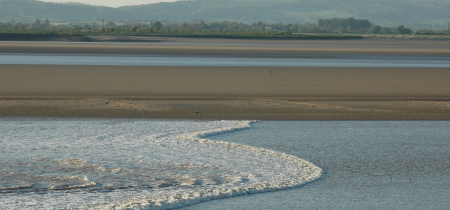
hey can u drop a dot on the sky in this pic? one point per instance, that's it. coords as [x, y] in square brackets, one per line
[112, 3]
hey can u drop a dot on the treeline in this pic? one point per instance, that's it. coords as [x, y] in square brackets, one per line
[359, 26]
[81, 33]
[149, 30]
[335, 25]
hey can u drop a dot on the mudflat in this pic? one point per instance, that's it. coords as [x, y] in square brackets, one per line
[256, 93]
[232, 47]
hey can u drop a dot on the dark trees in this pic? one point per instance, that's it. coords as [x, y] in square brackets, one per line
[402, 30]
[157, 24]
[375, 29]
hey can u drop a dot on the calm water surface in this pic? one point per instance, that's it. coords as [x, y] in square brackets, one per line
[275, 61]
[369, 165]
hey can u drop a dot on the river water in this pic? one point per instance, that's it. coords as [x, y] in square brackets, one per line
[367, 165]
[53, 163]
[375, 61]
[121, 164]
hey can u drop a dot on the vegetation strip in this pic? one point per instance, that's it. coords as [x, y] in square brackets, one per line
[336, 28]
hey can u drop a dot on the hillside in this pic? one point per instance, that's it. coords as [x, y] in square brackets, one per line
[412, 13]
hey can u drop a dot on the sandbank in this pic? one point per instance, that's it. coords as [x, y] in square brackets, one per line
[233, 47]
[215, 93]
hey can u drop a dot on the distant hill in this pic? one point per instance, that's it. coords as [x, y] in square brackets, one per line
[433, 14]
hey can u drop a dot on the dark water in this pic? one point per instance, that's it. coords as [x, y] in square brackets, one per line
[275, 61]
[369, 165]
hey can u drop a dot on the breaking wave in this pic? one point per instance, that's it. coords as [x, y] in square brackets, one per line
[137, 165]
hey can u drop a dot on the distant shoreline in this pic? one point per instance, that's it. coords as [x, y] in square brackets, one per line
[65, 37]
[85, 37]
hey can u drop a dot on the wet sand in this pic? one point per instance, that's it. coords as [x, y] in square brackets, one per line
[257, 93]
[232, 47]
[260, 93]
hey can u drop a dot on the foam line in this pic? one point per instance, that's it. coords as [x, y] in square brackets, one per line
[310, 172]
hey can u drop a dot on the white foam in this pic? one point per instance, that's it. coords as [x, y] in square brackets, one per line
[309, 172]
[137, 164]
